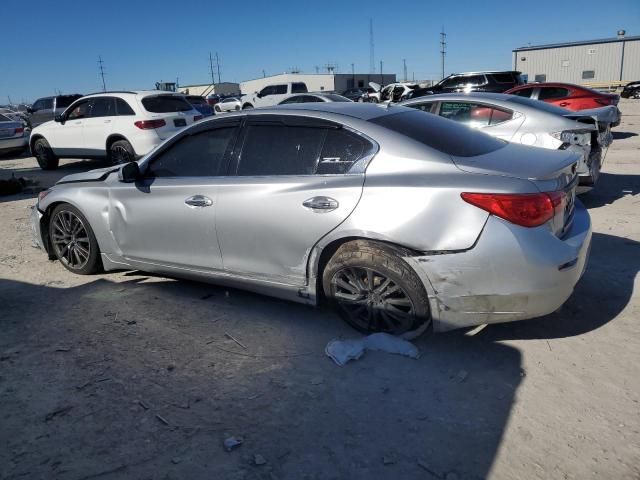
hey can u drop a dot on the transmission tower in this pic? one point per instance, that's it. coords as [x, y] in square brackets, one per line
[218, 65]
[372, 60]
[213, 78]
[101, 68]
[443, 47]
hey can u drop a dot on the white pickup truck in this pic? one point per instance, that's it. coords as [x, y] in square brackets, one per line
[272, 94]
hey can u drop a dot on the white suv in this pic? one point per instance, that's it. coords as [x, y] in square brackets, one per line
[118, 126]
[272, 94]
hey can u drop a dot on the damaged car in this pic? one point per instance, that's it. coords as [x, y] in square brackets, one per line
[401, 220]
[529, 122]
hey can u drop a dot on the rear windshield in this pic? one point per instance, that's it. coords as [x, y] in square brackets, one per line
[539, 104]
[336, 98]
[444, 135]
[65, 100]
[5, 119]
[195, 100]
[165, 104]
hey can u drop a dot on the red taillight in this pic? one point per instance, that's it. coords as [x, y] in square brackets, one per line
[149, 124]
[19, 130]
[527, 210]
[197, 117]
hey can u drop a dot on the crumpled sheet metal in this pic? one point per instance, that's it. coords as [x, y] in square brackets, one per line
[342, 351]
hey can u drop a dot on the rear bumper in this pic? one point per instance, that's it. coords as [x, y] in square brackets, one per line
[12, 143]
[512, 273]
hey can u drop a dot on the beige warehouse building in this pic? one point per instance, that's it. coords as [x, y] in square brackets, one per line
[590, 62]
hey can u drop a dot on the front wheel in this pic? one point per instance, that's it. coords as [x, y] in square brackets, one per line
[121, 152]
[247, 106]
[73, 241]
[374, 290]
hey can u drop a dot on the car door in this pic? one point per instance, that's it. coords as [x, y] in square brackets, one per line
[167, 218]
[98, 125]
[66, 137]
[41, 109]
[292, 186]
[557, 96]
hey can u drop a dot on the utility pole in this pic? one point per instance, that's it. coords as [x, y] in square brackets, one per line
[381, 81]
[218, 65]
[404, 66]
[372, 61]
[443, 47]
[213, 79]
[353, 75]
[101, 67]
[264, 74]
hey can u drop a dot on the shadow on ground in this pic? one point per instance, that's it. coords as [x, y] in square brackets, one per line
[139, 379]
[611, 187]
[622, 135]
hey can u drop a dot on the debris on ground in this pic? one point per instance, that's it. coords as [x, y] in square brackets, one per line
[341, 351]
[59, 411]
[231, 443]
[259, 459]
[176, 460]
[389, 459]
[162, 419]
[231, 337]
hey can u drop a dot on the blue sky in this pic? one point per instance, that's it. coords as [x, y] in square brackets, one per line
[58, 43]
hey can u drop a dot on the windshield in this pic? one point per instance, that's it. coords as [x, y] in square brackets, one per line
[441, 134]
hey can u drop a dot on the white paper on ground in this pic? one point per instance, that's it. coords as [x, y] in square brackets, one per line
[341, 351]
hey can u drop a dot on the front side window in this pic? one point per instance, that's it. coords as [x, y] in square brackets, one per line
[525, 92]
[80, 110]
[552, 92]
[43, 104]
[451, 82]
[102, 107]
[198, 155]
[165, 104]
[298, 87]
[65, 100]
[474, 80]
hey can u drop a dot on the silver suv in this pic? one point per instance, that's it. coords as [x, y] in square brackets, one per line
[45, 109]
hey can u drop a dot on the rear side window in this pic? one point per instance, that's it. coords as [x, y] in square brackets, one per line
[428, 107]
[290, 100]
[102, 107]
[552, 92]
[340, 151]
[280, 150]
[440, 134]
[44, 104]
[298, 87]
[198, 155]
[165, 104]
[123, 108]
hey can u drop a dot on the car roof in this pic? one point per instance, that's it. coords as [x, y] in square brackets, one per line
[486, 71]
[362, 111]
[138, 93]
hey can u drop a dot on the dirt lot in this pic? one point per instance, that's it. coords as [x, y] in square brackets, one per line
[126, 375]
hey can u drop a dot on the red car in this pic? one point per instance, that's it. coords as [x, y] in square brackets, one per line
[566, 95]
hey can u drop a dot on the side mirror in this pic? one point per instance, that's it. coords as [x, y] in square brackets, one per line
[59, 118]
[129, 173]
[30, 110]
[258, 94]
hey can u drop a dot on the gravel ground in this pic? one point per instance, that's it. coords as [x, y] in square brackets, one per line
[126, 375]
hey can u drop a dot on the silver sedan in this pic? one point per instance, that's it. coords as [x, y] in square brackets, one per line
[314, 98]
[531, 122]
[401, 220]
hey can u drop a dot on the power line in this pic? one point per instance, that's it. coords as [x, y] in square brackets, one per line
[443, 47]
[101, 67]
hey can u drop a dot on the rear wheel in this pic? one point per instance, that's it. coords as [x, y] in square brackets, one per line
[46, 159]
[121, 152]
[374, 290]
[218, 109]
[73, 241]
[247, 106]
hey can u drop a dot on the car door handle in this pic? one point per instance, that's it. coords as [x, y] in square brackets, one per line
[321, 203]
[199, 201]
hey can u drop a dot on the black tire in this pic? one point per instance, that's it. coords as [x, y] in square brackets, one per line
[46, 159]
[217, 109]
[72, 240]
[247, 106]
[388, 297]
[121, 152]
